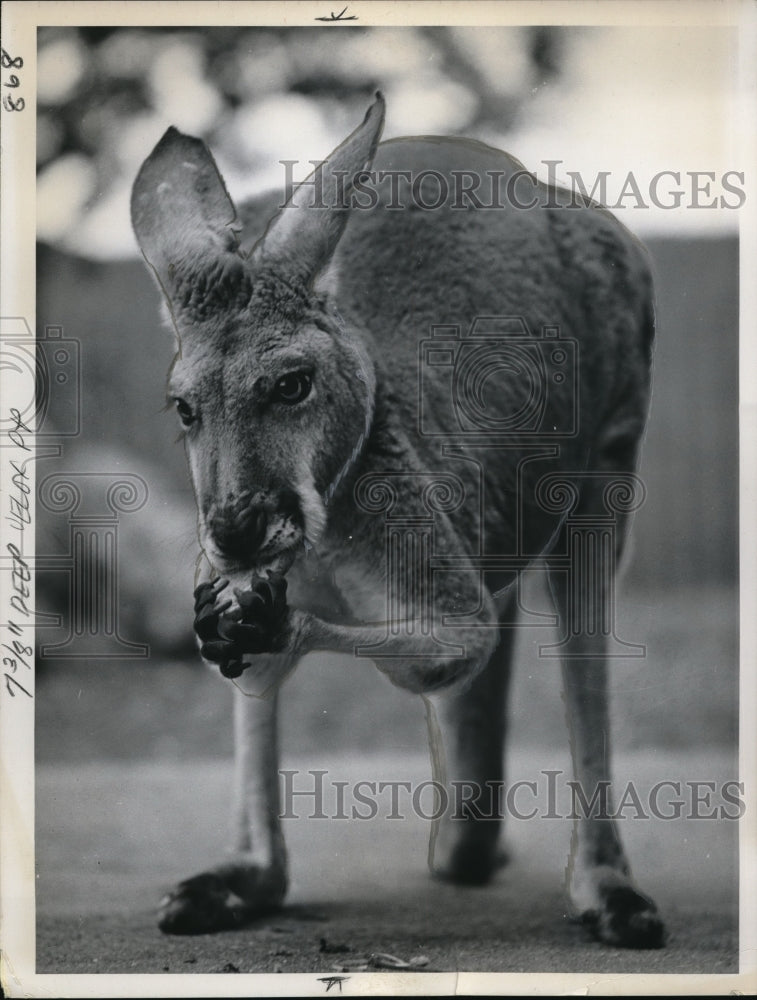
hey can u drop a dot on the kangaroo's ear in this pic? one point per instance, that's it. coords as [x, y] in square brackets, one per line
[180, 209]
[302, 237]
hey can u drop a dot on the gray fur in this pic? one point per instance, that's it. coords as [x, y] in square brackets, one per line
[347, 298]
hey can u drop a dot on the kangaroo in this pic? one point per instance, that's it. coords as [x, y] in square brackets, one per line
[396, 393]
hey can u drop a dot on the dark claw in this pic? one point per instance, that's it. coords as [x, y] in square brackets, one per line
[218, 650]
[273, 592]
[266, 591]
[207, 593]
[232, 668]
[248, 638]
[235, 631]
[278, 583]
[251, 603]
[206, 622]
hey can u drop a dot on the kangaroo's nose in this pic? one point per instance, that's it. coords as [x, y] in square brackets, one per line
[238, 534]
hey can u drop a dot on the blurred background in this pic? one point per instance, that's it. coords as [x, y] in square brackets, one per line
[616, 100]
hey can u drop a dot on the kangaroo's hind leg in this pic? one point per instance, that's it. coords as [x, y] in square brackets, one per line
[253, 880]
[602, 893]
[472, 728]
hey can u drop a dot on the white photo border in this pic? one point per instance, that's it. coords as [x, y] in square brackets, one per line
[17, 913]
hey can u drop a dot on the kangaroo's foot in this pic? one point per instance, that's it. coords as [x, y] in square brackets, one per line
[222, 899]
[467, 852]
[614, 910]
[469, 865]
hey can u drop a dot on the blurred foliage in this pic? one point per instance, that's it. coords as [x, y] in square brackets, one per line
[256, 95]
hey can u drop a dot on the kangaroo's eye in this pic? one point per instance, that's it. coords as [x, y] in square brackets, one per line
[293, 388]
[184, 410]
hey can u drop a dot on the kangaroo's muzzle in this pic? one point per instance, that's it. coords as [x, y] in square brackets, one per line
[238, 535]
[253, 530]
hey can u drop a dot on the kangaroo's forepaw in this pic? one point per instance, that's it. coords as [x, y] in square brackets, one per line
[622, 916]
[208, 610]
[259, 624]
[220, 900]
[256, 625]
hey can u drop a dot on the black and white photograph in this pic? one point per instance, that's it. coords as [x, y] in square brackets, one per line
[378, 478]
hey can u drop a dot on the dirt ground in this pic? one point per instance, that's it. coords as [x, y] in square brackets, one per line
[114, 836]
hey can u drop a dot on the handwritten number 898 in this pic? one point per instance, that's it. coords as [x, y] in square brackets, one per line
[7, 62]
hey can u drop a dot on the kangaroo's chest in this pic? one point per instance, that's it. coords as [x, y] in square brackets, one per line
[337, 584]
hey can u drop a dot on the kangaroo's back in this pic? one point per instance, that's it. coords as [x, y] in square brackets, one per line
[454, 233]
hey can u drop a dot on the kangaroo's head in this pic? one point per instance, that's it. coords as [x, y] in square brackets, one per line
[271, 390]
